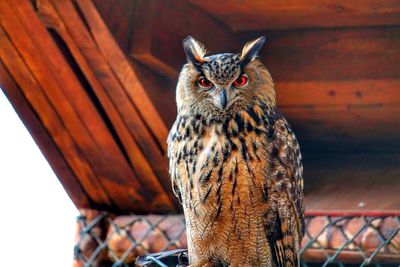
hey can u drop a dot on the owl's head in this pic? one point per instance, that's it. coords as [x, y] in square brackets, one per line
[222, 84]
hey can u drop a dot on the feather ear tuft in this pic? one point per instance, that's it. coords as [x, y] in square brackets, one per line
[194, 50]
[250, 50]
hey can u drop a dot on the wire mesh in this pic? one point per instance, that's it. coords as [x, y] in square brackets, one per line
[330, 240]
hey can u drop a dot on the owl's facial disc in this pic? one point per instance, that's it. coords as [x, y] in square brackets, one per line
[223, 94]
[218, 74]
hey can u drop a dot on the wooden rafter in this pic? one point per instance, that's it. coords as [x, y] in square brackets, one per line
[136, 138]
[110, 172]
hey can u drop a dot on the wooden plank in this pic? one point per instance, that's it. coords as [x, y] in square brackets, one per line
[335, 93]
[121, 67]
[332, 54]
[156, 37]
[123, 115]
[52, 121]
[294, 14]
[60, 84]
[118, 16]
[353, 128]
[161, 91]
[43, 139]
[298, 55]
[362, 182]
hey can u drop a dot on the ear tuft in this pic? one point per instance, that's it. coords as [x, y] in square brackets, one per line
[194, 50]
[250, 50]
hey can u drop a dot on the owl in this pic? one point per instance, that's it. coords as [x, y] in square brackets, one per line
[234, 162]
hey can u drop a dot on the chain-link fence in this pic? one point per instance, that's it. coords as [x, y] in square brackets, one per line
[330, 240]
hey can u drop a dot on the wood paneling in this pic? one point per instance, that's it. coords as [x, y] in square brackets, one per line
[352, 182]
[343, 129]
[351, 93]
[332, 54]
[295, 14]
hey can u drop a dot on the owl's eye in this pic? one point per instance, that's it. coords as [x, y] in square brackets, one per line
[241, 81]
[204, 82]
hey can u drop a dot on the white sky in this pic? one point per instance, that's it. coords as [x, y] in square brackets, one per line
[37, 218]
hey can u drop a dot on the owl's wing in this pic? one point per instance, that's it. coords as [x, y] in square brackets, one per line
[283, 187]
[174, 157]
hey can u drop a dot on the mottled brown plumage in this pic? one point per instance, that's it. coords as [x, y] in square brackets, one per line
[235, 163]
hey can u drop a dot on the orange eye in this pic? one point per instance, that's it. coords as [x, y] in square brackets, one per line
[241, 81]
[203, 82]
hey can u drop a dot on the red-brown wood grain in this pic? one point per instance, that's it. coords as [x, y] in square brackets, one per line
[123, 115]
[294, 14]
[120, 65]
[76, 110]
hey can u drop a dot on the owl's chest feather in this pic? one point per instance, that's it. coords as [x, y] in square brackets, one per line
[221, 174]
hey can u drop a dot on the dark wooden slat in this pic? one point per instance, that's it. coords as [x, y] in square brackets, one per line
[52, 121]
[128, 124]
[43, 139]
[269, 14]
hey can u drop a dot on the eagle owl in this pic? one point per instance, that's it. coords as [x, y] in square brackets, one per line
[235, 163]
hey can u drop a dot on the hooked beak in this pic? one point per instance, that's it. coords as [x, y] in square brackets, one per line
[223, 99]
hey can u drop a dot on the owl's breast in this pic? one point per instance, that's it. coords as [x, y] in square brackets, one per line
[221, 176]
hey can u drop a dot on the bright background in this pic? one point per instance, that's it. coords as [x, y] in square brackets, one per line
[37, 218]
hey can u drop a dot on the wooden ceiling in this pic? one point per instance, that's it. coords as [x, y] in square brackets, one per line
[94, 83]
[294, 14]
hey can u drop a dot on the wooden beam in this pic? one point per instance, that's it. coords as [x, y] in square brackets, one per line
[51, 120]
[59, 83]
[117, 15]
[132, 132]
[43, 139]
[121, 67]
[295, 14]
[161, 90]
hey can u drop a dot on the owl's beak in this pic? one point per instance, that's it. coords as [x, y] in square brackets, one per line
[223, 99]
